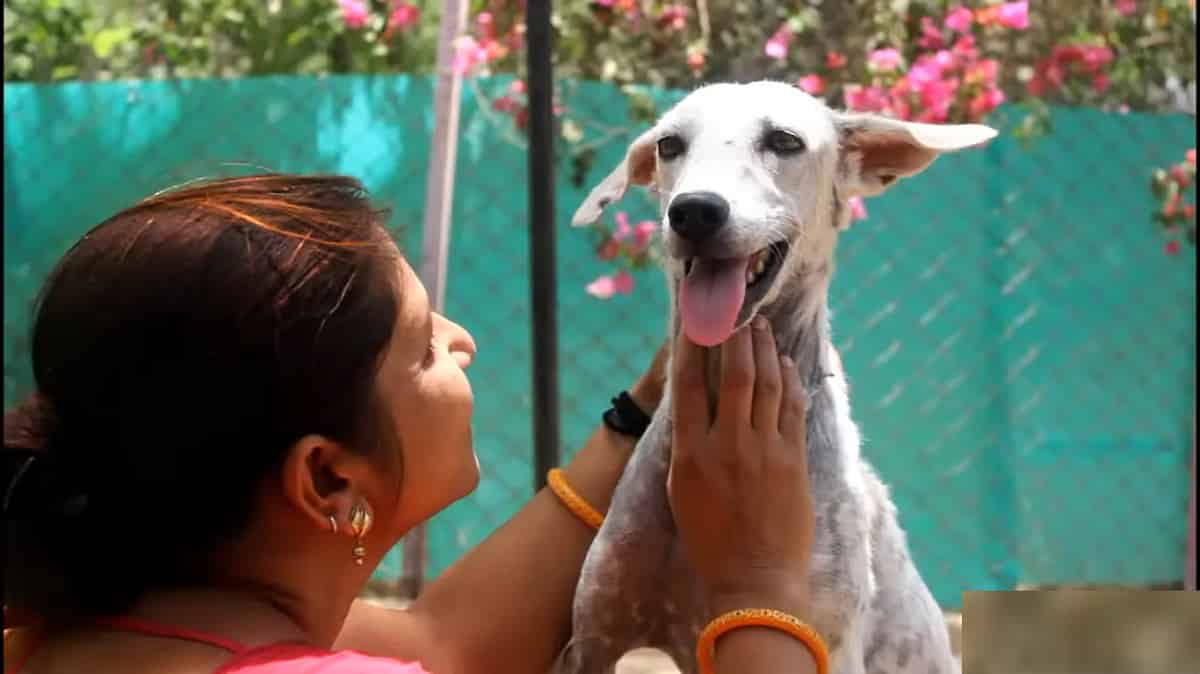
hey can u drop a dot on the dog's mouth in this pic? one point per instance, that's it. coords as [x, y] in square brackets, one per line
[717, 295]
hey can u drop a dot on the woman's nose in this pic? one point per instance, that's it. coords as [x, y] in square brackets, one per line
[458, 341]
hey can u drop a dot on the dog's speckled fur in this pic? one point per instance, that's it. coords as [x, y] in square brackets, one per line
[868, 600]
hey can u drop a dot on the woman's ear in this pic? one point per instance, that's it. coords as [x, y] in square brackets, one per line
[321, 478]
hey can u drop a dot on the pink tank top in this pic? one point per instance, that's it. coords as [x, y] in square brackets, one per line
[279, 658]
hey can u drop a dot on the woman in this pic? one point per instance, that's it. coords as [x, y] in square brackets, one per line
[243, 401]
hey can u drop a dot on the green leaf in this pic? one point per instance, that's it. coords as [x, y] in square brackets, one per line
[106, 40]
[64, 72]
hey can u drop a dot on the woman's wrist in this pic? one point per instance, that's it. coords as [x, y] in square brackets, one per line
[790, 597]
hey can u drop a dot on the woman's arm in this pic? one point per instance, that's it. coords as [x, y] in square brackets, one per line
[505, 606]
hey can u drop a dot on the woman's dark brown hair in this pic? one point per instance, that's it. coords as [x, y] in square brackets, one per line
[179, 348]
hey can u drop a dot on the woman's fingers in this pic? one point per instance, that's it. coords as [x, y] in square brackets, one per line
[768, 389]
[794, 404]
[689, 404]
[737, 378]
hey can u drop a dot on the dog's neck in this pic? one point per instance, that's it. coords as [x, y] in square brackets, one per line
[799, 318]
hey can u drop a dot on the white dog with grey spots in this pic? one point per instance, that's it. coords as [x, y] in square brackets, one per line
[753, 180]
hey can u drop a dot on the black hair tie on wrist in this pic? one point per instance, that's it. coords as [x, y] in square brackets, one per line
[625, 417]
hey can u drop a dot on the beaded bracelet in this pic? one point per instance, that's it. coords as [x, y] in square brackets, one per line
[574, 502]
[759, 617]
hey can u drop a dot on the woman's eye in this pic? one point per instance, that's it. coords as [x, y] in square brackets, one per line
[782, 142]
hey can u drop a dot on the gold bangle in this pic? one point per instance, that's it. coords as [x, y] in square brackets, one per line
[759, 617]
[578, 507]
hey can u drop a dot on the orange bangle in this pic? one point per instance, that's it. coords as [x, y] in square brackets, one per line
[578, 507]
[759, 617]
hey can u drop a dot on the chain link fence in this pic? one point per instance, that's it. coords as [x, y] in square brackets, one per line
[1020, 349]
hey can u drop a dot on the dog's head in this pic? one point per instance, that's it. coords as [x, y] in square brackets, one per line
[753, 181]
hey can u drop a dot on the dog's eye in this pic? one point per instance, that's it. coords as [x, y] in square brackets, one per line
[782, 142]
[670, 147]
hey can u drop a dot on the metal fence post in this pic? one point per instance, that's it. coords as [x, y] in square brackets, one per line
[542, 277]
[439, 197]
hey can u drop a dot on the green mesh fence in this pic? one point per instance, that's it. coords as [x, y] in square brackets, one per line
[1020, 350]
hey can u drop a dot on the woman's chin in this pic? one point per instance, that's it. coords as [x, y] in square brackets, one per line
[471, 472]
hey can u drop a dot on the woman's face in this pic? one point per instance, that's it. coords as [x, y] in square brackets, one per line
[424, 387]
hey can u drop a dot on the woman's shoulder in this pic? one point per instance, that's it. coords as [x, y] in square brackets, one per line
[302, 659]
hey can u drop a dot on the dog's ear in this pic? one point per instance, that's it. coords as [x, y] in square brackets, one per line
[637, 168]
[876, 150]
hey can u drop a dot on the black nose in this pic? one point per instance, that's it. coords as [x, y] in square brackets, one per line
[696, 215]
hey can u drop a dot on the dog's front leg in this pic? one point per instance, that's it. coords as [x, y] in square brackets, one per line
[618, 602]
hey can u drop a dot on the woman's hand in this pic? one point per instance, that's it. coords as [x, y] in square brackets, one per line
[739, 482]
[647, 391]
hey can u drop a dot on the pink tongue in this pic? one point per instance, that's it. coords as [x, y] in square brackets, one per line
[710, 297]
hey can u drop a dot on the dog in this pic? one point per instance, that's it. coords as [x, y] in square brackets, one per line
[754, 181]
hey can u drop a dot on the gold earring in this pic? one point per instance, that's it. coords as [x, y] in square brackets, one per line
[333, 523]
[360, 524]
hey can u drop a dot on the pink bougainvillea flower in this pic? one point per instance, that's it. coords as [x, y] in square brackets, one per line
[504, 104]
[466, 52]
[984, 102]
[858, 210]
[931, 35]
[864, 99]
[856, 97]
[959, 19]
[485, 24]
[834, 60]
[1100, 83]
[964, 48]
[517, 87]
[673, 17]
[1125, 7]
[354, 13]
[403, 15]
[603, 287]
[984, 72]
[777, 44]
[812, 83]
[1190, 156]
[1180, 173]
[936, 98]
[899, 108]
[1171, 206]
[925, 70]
[1013, 15]
[623, 230]
[1096, 57]
[946, 60]
[643, 232]
[885, 60]
[622, 282]
[1171, 247]
[695, 60]
[1188, 211]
